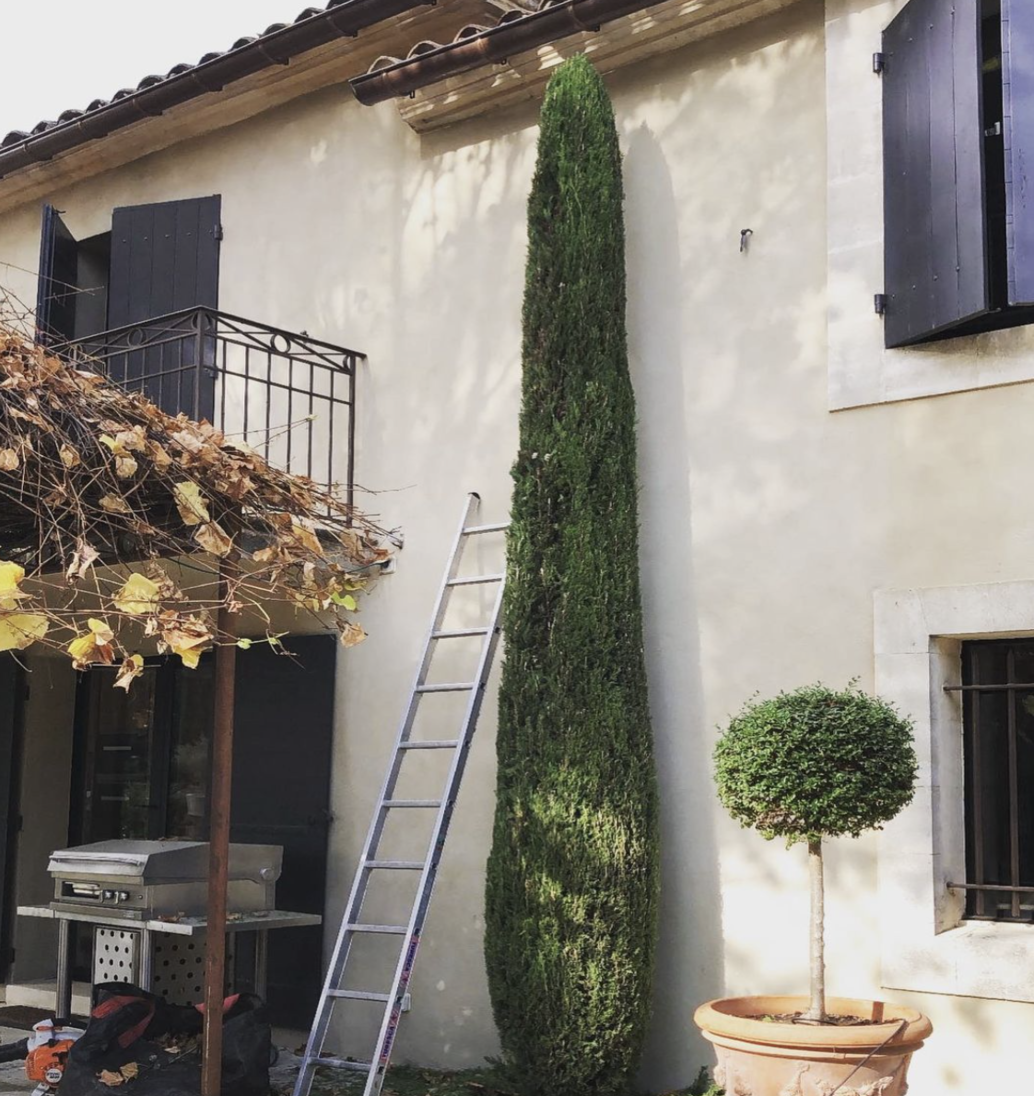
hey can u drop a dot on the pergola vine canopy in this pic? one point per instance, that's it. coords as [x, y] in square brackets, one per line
[98, 486]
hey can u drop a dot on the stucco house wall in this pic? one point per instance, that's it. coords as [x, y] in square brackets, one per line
[769, 521]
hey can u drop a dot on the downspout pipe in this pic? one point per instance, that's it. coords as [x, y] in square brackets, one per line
[214, 72]
[493, 46]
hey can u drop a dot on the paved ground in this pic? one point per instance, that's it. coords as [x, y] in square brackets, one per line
[12, 1075]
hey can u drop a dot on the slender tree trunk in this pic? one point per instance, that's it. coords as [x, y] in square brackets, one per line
[817, 1008]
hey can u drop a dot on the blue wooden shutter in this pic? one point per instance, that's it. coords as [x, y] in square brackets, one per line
[935, 223]
[1018, 94]
[58, 278]
[165, 258]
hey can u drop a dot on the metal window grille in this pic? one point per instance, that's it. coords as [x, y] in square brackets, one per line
[998, 742]
[284, 394]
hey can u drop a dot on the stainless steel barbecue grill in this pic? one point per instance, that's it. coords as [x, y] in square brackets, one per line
[153, 880]
[146, 902]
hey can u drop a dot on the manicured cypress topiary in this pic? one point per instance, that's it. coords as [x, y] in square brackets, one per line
[572, 877]
[816, 763]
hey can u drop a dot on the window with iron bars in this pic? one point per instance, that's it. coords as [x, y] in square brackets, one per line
[998, 693]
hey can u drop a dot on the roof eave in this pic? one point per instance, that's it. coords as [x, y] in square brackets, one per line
[346, 19]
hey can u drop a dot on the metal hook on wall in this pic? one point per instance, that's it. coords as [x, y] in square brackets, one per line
[745, 235]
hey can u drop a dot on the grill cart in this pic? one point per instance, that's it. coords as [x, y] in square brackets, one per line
[146, 903]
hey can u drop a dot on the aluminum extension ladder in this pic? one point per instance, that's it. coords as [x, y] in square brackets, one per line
[396, 999]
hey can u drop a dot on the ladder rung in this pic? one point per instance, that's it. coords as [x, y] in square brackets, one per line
[342, 1063]
[459, 633]
[387, 930]
[395, 865]
[453, 687]
[430, 744]
[362, 995]
[477, 530]
[430, 804]
[475, 580]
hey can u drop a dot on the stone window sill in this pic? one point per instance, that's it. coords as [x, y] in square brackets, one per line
[976, 959]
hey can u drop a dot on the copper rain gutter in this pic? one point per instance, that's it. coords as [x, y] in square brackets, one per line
[496, 45]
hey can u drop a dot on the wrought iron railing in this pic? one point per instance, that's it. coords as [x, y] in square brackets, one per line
[286, 395]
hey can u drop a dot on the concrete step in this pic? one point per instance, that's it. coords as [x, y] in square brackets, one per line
[42, 994]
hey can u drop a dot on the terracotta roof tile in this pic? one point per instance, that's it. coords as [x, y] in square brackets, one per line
[369, 12]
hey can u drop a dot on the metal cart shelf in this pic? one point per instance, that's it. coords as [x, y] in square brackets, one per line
[260, 923]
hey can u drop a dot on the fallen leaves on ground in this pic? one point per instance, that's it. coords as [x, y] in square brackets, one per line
[114, 1078]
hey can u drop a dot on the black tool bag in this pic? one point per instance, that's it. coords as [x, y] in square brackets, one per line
[156, 1047]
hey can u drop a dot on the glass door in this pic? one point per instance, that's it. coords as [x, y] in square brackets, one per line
[121, 796]
[145, 755]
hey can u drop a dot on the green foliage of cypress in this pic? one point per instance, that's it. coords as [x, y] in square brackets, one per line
[572, 877]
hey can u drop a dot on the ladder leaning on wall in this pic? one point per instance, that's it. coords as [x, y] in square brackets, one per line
[410, 925]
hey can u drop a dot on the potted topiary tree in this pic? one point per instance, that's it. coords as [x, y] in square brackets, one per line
[807, 765]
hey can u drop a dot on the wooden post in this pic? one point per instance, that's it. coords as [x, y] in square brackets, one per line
[219, 841]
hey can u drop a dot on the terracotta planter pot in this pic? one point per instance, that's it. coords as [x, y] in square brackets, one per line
[760, 1058]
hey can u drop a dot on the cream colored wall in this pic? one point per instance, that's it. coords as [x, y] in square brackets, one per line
[767, 522]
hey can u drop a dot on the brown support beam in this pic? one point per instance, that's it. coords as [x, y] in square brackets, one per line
[219, 839]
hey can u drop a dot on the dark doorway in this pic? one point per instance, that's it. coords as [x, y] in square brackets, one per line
[283, 739]
[144, 760]
[12, 693]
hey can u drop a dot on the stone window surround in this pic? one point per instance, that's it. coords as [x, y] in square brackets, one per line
[925, 944]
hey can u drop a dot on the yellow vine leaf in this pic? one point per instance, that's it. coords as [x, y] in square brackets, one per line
[120, 445]
[11, 575]
[306, 537]
[138, 596]
[190, 656]
[188, 639]
[190, 504]
[21, 630]
[85, 556]
[130, 670]
[351, 634]
[9, 460]
[69, 457]
[93, 646]
[114, 505]
[213, 539]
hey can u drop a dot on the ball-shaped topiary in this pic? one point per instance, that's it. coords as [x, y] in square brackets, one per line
[816, 763]
[811, 764]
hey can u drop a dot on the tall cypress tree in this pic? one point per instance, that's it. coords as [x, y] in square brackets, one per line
[572, 877]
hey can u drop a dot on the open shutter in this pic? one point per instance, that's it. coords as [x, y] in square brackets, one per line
[165, 258]
[1018, 95]
[936, 251]
[58, 276]
[283, 738]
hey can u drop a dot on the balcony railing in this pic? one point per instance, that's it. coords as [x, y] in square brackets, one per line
[286, 395]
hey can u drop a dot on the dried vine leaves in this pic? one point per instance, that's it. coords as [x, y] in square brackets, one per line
[98, 487]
